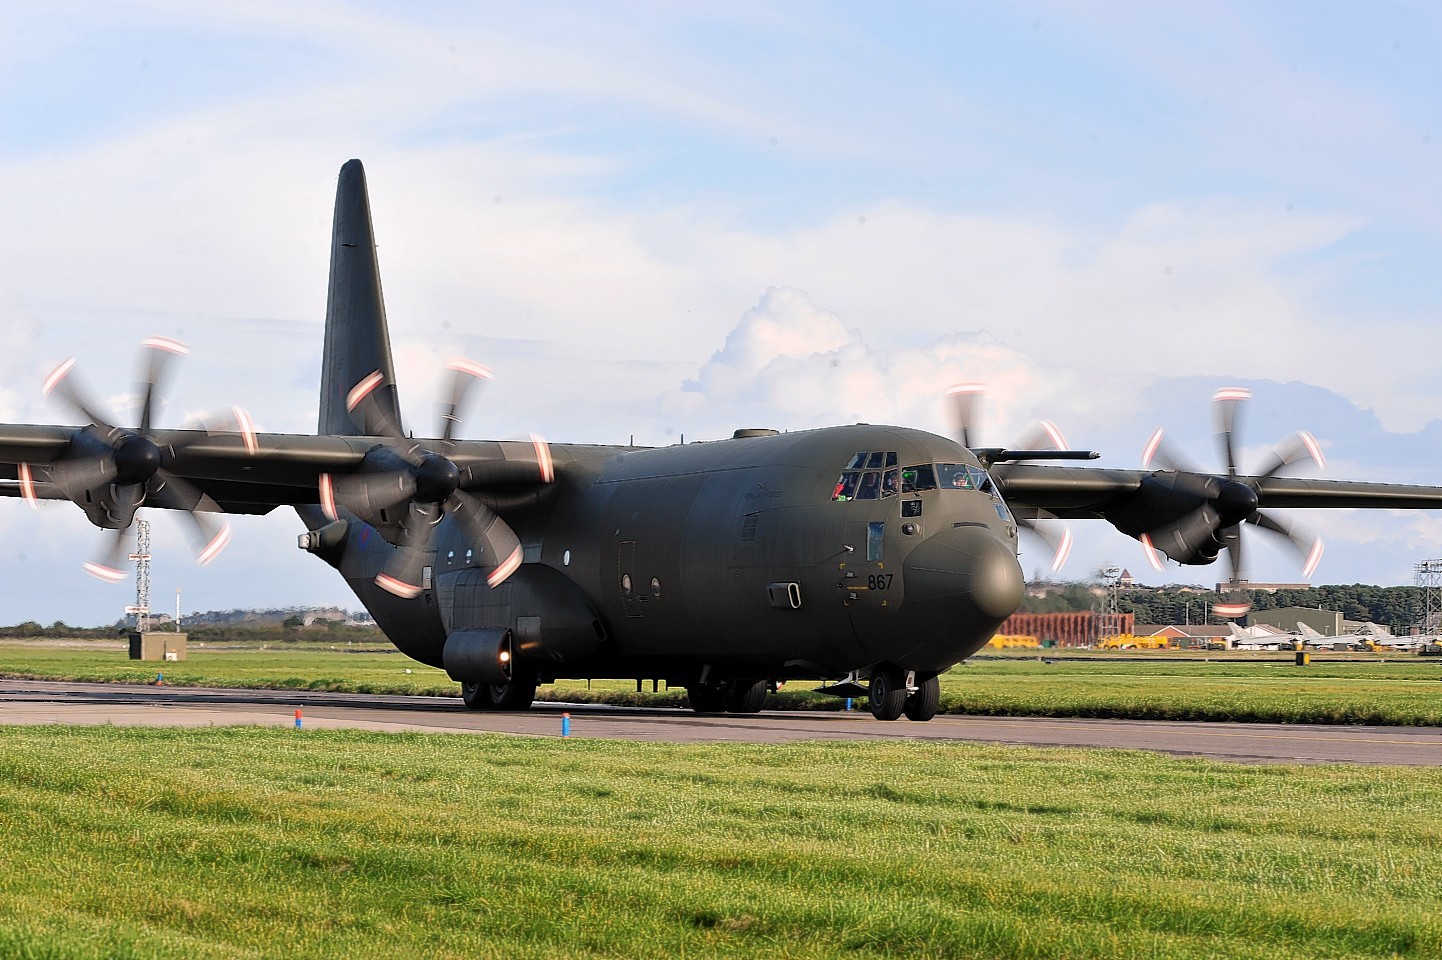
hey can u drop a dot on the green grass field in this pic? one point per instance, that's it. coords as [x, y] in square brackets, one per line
[273, 843]
[1398, 691]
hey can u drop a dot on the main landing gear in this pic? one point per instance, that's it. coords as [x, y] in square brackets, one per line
[730, 696]
[516, 694]
[890, 695]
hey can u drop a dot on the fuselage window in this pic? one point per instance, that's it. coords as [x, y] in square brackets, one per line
[873, 462]
[870, 486]
[962, 476]
[858, 461]
[916, 479]
[846, 486]
[889, 483]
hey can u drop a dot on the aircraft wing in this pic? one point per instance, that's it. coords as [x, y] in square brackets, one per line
[247, 475]
[1094, 493]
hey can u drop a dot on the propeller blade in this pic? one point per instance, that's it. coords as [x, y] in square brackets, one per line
[1165, 454]
[1237, 604]
[1054, 534]
[161, 351]
[464, 376]
[367, 413]
[501, 548]
[1042, 435]
[1307, 546]
[1299, 446]
[964, 411]
[106, 565]
[404, 571]
[208, 535]
[1227, 410]
[62, 384]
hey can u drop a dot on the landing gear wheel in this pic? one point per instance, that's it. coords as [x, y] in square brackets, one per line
[923, 704]
[519, 693]
[706, 698]
[746, 697]
[887, 693]
[477, 696]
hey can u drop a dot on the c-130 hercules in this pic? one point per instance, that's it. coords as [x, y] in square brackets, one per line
[874, 554]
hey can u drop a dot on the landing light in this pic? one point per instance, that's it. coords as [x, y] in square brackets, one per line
[505, 656]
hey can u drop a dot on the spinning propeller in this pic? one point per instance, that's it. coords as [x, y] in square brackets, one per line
[1227, 502]
[110, 471]
[404, 489]
[1042, 440]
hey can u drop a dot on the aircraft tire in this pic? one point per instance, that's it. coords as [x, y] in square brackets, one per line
[477, 696]
[706, 699]
[923, 704]
[519, 693]
[887, 693]
[744, 697]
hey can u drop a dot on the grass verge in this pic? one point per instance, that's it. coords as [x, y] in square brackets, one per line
[1262, 689]
[270, 843]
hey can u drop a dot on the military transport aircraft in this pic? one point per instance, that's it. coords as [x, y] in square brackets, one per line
[872, 556]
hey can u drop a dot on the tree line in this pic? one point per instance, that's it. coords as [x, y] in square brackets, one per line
[1397, 607]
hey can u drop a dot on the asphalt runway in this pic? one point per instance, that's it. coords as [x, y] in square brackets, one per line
[45, 702]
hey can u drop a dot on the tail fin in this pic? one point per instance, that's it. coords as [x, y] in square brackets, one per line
[357, 342]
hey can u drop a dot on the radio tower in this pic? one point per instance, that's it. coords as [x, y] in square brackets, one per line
[1428, 576]
[141, 556]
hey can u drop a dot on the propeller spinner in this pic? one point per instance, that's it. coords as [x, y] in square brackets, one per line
[1227, 501]
[405, 489]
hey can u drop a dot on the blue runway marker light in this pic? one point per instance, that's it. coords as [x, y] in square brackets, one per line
[565, 724]
[848, 704]
[297, 719]
[160, 679]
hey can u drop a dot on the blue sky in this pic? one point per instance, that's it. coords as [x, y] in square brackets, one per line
[635, 214]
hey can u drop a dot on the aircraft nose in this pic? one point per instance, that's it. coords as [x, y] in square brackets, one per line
[961, 584]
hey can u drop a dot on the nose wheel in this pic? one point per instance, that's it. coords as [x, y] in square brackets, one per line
[890, 695]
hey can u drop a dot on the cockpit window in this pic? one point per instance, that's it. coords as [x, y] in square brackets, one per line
[863, 478]
[918, 478]
[962, 476]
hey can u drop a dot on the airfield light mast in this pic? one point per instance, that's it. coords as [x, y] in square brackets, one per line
[1428, 576]
[141, 556]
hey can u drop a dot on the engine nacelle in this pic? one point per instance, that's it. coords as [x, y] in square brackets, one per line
[478, 656]
[548, 616]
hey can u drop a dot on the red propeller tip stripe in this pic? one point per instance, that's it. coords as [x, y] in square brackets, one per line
[1314, 448]
[217, 543]
[104, 572]
[27, 486]
[1054, 434]
[1062, 551]
[462, 365]
[363, 389]
[327, 498]
[1231, 609]
[508, 566]
[247, 430]
[1151, 551]
[390, 584]
[1314, 557]
[543, 458]
[1151, 448]
[962, 388]
[166, 344]
[56, 375]
[1232, 393]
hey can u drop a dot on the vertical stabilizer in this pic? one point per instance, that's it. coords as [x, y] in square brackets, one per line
[357, 342]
